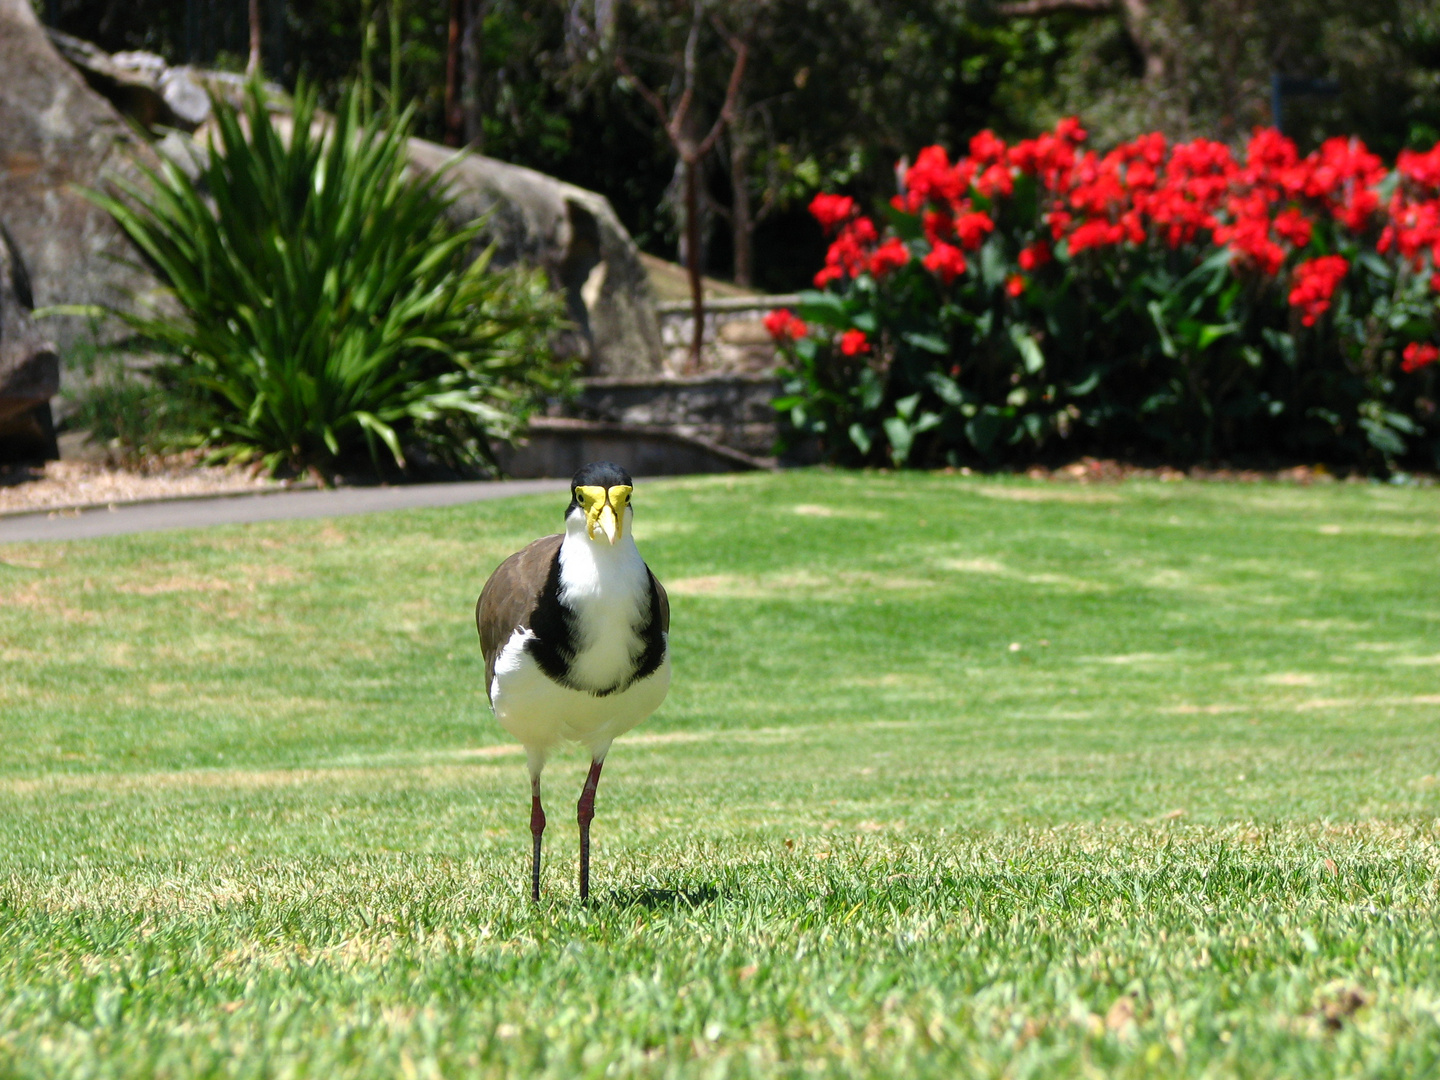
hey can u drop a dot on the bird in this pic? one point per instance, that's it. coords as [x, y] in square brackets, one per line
[575, 630]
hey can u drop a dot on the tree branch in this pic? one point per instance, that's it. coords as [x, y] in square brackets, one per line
[649, 95]
[741, 49]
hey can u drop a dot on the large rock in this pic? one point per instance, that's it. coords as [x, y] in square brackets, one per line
[29, 366]
[140, 84]
[574, 234]
[56, 133]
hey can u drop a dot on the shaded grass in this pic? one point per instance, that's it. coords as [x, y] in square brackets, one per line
[957, 777]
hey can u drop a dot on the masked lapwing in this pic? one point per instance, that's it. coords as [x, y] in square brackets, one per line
[575, 633]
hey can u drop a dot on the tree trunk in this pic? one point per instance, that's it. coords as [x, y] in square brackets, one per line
[454, 120]
[395, 34]
[692, 254]
[742, 221]
[367, 71]
[253, 66]
[471, 43]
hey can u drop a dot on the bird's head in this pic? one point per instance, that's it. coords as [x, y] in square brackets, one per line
[600, 492]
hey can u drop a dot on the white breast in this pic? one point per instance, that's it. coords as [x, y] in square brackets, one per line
[608, 589]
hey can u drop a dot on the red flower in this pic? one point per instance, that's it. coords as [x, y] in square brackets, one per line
[1095, 233]
[1315, 283]
[1036, 255]
[971, 229]
[891, 255]
[932, 178]
[946, 261]
[831, 210]
[1293, 226]
[1356, 211]
[1047, 157]
[996, 180]
[1418, 356]
[986, 149]
[1070, 130]
[1015, 284]
[854, 342]
[1249, 238]
[862, 231]
[784, 326]
[939, 226]
[849, 254]
[1413, 229]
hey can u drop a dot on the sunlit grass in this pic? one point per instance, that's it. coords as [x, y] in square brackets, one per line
[957, 777]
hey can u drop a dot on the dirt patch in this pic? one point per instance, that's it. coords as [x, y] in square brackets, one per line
[176, 583]
[729, 586]
[779, 586]
[251, 575]
[1044, 494]
[819, 511]
[40, 597]
[976, 566]
[995, 568]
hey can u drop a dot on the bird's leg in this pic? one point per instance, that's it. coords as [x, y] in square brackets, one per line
[585, 813]
[537, 830]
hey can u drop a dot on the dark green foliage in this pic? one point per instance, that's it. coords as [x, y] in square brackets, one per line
[330, 309]
[1214, 60]
[134, 416]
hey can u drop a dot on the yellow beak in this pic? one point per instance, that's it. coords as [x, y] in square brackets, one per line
[605, 509]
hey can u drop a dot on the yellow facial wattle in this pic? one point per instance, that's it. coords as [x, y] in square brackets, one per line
[604, 509]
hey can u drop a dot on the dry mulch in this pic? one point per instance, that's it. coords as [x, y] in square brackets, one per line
[1089, 470]
[67, 485]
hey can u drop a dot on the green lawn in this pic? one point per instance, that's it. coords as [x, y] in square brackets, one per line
[958, 777]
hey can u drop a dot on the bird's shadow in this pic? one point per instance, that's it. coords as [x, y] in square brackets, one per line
[662, 898]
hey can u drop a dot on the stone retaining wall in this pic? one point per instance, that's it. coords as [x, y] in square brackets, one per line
[735, 340]
[733, 411]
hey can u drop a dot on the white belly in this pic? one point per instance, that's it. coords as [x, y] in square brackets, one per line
[541, 713]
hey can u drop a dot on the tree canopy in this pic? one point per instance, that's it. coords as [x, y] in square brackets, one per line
[835, 91]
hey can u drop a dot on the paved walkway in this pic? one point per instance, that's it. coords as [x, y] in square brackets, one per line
[242, 509]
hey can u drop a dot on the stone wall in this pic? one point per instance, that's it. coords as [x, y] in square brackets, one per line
[655, 427]
[735, 341]
[732, 411]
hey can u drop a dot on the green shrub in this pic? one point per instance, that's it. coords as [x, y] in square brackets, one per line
[329, 308]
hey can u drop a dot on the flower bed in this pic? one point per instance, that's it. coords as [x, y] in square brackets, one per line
[1044, 300]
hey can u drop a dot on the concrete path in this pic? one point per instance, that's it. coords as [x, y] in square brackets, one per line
[242, 509]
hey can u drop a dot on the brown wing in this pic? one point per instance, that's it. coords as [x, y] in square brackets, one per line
[509, 597]
[664, 603]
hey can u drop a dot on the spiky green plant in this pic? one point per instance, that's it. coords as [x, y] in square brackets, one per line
[329, 306]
